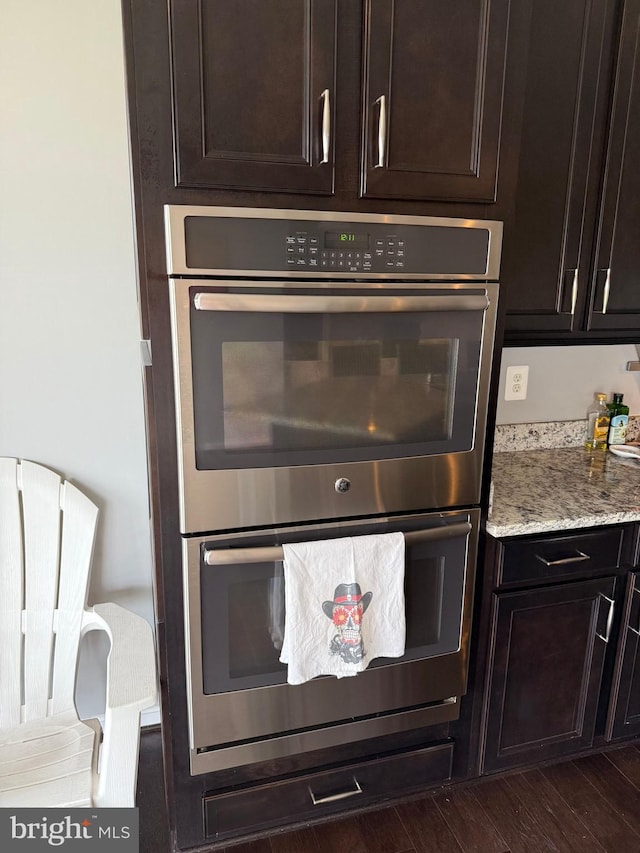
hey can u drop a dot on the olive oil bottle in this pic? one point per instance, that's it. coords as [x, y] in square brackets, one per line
[618, 421]
[597, 423]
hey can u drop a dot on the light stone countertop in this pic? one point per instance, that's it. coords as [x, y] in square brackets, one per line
[535, 491]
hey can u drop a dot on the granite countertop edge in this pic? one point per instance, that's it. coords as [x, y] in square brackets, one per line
[539, 491]
[526, 528]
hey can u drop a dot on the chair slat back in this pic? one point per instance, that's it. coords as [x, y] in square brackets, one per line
[50, 539]
[11, 595]
[40, 489]
[78, 532]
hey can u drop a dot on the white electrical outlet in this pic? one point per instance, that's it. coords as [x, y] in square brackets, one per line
[515, 386]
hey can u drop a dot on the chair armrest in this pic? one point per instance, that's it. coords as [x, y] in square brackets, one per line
[131, 686]
[131, 665]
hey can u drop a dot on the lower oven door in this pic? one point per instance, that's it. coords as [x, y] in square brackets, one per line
[241, 708]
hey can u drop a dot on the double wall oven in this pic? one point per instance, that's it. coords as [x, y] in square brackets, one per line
[331, 377]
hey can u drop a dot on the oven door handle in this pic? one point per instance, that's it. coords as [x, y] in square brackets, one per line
[285, 303]
[274, 553]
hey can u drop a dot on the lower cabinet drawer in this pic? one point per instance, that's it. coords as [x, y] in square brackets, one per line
[559, 557]
[325, 793]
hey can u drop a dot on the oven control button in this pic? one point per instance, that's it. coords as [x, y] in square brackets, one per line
[342, 485]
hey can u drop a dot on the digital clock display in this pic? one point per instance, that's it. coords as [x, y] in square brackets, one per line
[346, 240]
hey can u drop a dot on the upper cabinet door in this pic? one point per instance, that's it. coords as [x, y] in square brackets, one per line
[432, 98]
[556, 102]
[615, 303]
[254, 93]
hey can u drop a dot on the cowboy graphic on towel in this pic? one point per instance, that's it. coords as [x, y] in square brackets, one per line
[346, 612]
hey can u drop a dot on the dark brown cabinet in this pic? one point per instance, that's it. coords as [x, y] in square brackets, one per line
[549, 647]
[253, 93]
[432, 98]
[615, 295]
[257, 89]
[310, 796]
[553, 617]
[623, 720]
[572, 140]
[557, 85]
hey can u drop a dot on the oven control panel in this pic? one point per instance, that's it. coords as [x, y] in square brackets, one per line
[232, 241]
[343, 252]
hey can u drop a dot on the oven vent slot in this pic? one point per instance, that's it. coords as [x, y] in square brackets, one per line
[443, 711]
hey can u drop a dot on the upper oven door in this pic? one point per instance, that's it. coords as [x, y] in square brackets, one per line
[298, 403]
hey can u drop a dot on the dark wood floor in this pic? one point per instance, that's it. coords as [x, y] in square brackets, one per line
[588, 805]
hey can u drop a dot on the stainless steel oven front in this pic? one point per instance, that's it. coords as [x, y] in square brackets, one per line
[328, 365]
[331, 379]
[242, 711]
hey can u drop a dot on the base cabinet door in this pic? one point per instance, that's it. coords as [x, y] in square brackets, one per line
[548, 654]
[623, 720]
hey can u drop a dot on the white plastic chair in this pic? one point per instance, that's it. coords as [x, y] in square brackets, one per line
[48, 756]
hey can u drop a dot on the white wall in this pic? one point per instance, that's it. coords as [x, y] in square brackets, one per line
[563, 380]
[70, 377]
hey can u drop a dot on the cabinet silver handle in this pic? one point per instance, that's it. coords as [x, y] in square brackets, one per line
[382, 131]
[326, 126]
[564, 560]
[332, 798]
[274, 553]
[574, 292]
[607, 288]
[607, 632]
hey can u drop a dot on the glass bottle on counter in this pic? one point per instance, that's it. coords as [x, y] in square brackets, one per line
[618, 421]
[597, 423]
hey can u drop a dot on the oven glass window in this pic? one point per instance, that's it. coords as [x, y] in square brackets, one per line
[281, 389]
[305, 395]
[243, 615]
[255, 603]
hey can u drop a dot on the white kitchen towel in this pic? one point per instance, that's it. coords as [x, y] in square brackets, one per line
[344, 605]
